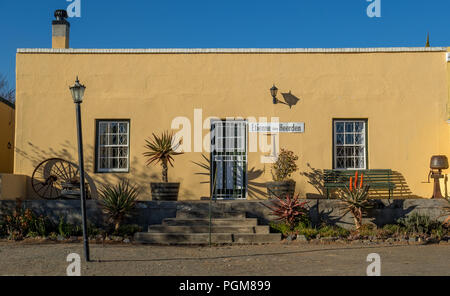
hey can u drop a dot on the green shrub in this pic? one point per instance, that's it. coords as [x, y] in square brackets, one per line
[24, 223]
[281, 227]
[368, 230]
[284, 166]
[308, 232]
[417, 223]
[333, 231]
[392, 230]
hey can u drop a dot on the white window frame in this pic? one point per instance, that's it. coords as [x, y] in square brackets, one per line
[99, 146]
[363, 145]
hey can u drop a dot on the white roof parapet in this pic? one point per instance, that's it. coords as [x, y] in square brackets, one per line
[231, 50]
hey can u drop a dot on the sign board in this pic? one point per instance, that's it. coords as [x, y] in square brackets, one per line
[276, 127]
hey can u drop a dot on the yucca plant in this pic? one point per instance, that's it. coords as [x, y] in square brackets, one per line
[356, 199]
[162, 149]
[289, 210]
[118, 201]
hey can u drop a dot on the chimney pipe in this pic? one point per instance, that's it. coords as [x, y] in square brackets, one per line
[60, 29]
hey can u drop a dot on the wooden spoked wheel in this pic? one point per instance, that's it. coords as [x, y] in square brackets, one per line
[56, 178]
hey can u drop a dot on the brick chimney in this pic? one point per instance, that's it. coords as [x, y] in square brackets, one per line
[60, 30]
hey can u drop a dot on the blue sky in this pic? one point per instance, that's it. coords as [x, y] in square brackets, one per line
[224, 23]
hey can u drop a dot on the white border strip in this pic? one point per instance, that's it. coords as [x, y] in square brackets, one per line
[234, 50]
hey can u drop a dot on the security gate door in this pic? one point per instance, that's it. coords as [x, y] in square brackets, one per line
[229, 159]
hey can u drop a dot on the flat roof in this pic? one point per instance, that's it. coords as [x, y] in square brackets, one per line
[231, 50]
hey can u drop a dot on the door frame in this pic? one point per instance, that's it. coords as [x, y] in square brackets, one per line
[245, 155]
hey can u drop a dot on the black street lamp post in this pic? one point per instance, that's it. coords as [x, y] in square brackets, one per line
[77, 94]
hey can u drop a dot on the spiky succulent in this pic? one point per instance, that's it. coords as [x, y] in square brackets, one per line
[162, 149]
[289, 210]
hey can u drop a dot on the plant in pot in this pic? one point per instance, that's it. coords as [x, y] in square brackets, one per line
[282, 170]
[161, 149]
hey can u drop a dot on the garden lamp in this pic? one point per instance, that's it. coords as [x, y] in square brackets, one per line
[77, 92]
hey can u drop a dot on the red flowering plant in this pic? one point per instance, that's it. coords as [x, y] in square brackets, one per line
[289, 210]
[356, 199]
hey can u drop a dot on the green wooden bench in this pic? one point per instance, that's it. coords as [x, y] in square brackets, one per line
[376, 179]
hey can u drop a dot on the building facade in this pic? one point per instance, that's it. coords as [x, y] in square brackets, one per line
[7, 119]
[353, 108]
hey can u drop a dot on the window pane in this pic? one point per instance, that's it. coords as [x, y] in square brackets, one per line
[340, 139]
[359, 139]
[359, 126]
[339, 127]
[113, 140]
[349, 127]
[123, 163]
[349, 151]
[114, 128]
[103, 128]
[349, 139]
[123, 127]
[340, 151]
[359, 151]
[123, 152]
[359, 162]
[350, 163]
[340, 163]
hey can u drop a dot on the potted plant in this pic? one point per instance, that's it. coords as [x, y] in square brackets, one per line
[161, 149]
[282, 170]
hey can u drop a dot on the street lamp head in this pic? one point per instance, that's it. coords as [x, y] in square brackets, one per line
[77, 91]
[273, 91]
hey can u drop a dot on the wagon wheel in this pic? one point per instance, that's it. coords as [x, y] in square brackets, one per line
[52, 177]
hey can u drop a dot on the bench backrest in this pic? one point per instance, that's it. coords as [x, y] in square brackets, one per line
[370, 176]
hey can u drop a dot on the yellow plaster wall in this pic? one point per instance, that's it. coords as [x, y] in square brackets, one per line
[6, 136]
[403, 96]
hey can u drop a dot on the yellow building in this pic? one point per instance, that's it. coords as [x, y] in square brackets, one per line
[6, 136]
[355, 108]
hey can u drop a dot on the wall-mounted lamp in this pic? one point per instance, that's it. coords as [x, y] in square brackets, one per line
[273, 92]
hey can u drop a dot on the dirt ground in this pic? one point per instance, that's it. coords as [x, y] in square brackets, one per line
[21, 258]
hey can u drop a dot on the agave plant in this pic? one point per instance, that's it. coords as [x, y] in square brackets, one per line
[162, 149]
[289, 210]
[355, 197]
[118, 201]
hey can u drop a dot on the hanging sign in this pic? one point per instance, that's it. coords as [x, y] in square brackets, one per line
[276, 127]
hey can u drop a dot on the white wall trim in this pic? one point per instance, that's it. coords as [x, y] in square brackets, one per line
[230, 50]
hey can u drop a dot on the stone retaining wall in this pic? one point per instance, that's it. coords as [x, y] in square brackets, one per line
[153, 212]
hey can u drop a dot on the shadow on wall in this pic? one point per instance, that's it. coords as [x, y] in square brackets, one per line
[315, 178]
[254, 189]
[137, 175]
[384, 212]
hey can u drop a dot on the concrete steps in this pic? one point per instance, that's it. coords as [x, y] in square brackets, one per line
[191, 227]
[215, 222]
[205, 229]
[203, 238]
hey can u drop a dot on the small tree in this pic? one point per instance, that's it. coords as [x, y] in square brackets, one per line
[162, 149]
[285, 165]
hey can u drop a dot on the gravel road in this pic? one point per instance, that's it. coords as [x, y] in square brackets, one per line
[21, 258]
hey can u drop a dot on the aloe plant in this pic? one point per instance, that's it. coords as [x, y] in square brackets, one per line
[161, 149]
[118, 201]
[356, 199]
[289, 210]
